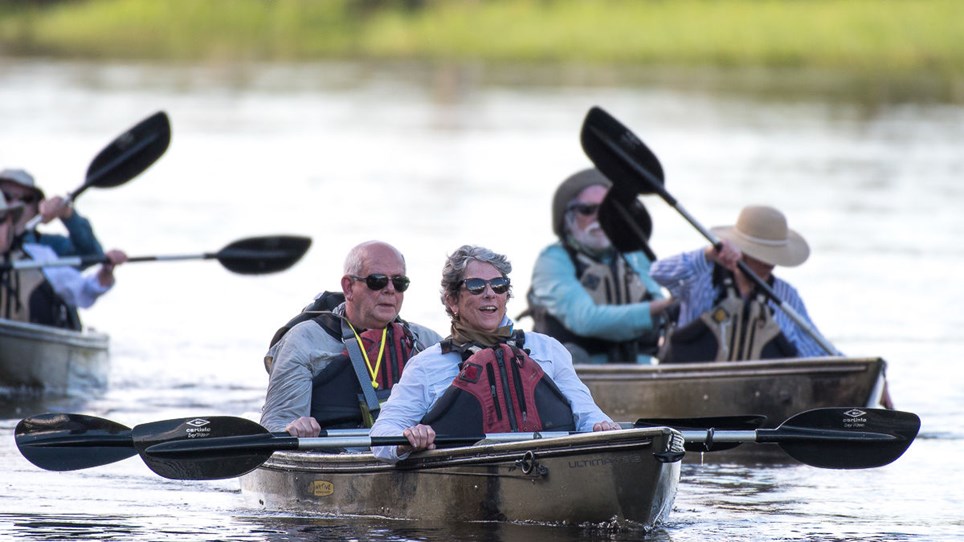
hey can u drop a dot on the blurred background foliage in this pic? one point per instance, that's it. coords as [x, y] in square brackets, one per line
[866, 35]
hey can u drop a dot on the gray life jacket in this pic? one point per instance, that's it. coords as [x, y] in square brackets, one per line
[735, 329]
[616, 283]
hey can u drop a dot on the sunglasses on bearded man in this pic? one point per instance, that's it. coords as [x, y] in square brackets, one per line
[585, 209]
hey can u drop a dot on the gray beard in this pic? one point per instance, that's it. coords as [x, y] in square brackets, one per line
[591, 240]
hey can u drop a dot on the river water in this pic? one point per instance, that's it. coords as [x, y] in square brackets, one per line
[432, 158]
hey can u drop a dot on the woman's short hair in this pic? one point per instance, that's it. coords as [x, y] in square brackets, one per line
[453, 272]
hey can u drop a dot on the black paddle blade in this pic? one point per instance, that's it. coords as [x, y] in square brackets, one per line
[626, 221]
[130, 154]
[620, 155]
[61, 442]
[716, 423]
[845, 438]
[262, 255]
[208, 448]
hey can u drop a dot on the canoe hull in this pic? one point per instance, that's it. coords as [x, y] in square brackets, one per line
[777, 389]
[52, 362]
[623, 475]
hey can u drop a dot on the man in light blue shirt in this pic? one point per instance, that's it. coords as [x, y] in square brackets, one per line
[599, 302]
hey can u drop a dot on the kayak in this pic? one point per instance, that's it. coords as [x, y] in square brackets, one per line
[776, 389]
[50, 361]
[629, 475]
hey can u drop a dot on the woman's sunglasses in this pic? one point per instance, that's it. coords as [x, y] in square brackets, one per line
[379, 281]
[585, 209]
[500, 285]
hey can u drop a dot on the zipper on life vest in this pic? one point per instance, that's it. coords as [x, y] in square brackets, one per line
[519, 392]
[490, 372]
[500, 359]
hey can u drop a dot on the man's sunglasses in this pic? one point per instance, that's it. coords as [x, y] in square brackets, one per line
[585, 209]
[500, 285]
[28, 199]
[379, 281]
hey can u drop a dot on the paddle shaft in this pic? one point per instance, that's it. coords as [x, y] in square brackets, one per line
[83, 261]
[347, 439]
[246, 255]
[777, 436]
[657, 187]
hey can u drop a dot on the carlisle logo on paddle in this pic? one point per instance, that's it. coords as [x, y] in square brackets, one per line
[197, 422]
[855, 418]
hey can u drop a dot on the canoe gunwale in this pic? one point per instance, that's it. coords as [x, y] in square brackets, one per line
[483, 455]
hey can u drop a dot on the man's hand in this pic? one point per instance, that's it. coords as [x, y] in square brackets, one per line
[728, 256]
[305, 426]
[55, 207]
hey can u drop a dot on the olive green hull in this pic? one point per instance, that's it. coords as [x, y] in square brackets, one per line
[53, 362]
[777, 389]
[593, 477]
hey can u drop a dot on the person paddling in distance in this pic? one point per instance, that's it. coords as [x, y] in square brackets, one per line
[486, 376]
[706, 279]
[335, 369]
[50, 295]
[18, 185]
[600, 303]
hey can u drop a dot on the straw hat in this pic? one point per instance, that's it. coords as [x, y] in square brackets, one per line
[8, 209]
[22, 178]
[762, 233]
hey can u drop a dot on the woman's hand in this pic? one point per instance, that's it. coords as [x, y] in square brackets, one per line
[106, 274]
[605, 426]
[420, 437]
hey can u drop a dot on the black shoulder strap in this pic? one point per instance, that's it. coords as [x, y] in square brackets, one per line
[358, 364]
[326, 301]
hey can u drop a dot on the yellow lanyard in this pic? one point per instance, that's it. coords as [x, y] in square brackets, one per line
[378, 362]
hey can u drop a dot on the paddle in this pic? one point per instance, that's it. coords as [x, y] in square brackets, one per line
[831, 438]
[626, 222]
[626, 160]
[250, 256]
[124, 158]
[62, 442]
[224, 447]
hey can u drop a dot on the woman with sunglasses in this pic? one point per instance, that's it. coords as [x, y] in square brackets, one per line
[19, 186]
[599, 302]
[486, 376]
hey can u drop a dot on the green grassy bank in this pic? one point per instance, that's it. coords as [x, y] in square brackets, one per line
[865, 36]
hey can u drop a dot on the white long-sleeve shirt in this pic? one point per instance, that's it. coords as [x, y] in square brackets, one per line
[431, 372]
[75, 288]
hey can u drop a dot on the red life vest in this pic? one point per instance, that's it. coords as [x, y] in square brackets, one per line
[499, 389]
[336, 395]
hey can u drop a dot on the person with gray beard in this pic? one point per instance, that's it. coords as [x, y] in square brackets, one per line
[599, 302]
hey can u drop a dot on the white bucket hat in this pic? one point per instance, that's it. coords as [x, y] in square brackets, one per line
[22, 178]
[762, 233]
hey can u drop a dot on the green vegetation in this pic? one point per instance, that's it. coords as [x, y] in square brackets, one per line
[866, 36]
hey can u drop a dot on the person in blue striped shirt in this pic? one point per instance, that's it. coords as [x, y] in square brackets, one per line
[698, 279]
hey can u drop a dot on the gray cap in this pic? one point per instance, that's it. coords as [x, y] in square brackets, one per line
[22, 178]
[568, 190]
